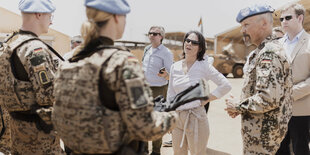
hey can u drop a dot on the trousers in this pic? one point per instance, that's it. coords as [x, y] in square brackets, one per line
[191, 133]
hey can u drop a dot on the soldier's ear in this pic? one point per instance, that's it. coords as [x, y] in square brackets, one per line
[38, 15]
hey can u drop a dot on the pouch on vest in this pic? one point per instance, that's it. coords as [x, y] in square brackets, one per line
[15, 95]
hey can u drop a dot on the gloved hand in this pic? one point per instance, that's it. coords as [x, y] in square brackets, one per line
[199, 91]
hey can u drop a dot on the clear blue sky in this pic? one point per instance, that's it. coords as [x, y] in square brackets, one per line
[174, 15]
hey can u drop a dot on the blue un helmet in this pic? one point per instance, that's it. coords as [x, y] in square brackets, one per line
[119, 7]
[252, 11]
[36, 6]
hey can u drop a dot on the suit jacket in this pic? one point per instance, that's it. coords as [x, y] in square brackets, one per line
[300, 63]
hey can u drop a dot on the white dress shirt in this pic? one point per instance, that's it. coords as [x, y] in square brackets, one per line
[179, 81]
[289, 45]
[155, 59]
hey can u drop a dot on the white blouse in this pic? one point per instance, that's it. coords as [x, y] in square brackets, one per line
[179, 81]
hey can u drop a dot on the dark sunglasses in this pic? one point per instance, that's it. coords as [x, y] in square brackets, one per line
[192, 41]
[287, 18]
[154, 33]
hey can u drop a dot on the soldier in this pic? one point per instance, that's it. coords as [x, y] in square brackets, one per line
[27, 74]
[265, 104]
[101, 93]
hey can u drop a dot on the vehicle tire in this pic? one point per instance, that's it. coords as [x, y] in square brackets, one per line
[225, 74]
[238, 71]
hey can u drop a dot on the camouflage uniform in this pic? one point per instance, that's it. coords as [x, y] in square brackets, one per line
[100, 129]
[266, 99]
[5, 139]
[27, 131]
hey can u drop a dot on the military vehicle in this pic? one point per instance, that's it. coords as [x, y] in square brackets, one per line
[229, 62]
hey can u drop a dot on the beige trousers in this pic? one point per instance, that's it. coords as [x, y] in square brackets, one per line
[191, 132]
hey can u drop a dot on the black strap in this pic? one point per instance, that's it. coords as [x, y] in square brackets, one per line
[25, 41]
[17, 67]
[54, 51]
[107, 96]
[3, 126]
[48, 46]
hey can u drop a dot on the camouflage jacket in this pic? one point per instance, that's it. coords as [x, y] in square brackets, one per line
[96, 128]
[266, 103]
[32, 75]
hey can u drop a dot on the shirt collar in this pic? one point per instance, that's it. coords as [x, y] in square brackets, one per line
[296, 38]
[27, 32]
[159, 47]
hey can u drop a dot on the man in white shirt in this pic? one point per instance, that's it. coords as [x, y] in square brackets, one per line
[156, 62]
[296, 43]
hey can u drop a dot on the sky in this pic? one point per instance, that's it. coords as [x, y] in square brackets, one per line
[174, 15]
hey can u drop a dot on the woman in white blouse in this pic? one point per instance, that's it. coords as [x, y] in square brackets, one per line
[192, 131]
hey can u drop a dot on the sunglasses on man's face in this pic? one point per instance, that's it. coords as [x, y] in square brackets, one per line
[154, 33]
[194, 42]
[287, 18]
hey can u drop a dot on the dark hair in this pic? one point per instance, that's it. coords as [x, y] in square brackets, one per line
[202, 44]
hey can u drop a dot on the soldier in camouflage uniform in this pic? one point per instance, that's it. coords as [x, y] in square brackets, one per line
[28, 91]
[265, 104]
[102, 99]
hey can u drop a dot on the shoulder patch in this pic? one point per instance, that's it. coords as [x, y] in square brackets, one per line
[137, 94]
[266, 61]
[38, 50]
[132, 59]
[37, 60]
[43, 77]
[38, 68]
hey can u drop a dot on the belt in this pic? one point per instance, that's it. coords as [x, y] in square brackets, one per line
[24, 116]
[195, 128]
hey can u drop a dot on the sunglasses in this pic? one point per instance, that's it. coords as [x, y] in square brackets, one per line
[154, 33]
[287, 18]
[192, 41]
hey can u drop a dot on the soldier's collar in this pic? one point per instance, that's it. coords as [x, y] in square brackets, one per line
[27, 32]
[267, 39]
[91, 48]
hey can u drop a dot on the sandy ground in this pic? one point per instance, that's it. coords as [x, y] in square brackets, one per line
[225, 136]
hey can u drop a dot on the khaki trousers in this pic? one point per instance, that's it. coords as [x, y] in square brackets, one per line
[156, 91]
[191, 132]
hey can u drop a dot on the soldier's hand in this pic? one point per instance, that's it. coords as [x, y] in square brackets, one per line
[231, 106]
[232, 112]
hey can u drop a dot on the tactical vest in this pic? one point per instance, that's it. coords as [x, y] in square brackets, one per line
[16, 95]
[81, 120]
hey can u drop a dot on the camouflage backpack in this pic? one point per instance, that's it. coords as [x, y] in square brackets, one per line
[80, 118]
[15, 94]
